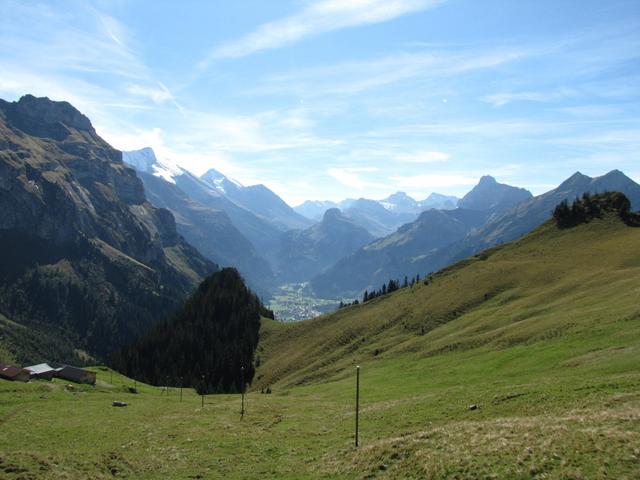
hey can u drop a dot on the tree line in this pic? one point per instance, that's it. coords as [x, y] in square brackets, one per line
[387, 287]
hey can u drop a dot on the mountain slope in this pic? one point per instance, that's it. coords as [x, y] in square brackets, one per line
[399, 254]
[262, 234]
[258, 199]
[505, 217]
[551, 284]
[305, 253]
[209, 230]
[85, 256]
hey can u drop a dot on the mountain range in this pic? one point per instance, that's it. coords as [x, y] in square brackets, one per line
[407, 250]
[230, 223]
[494, 213]
[204, 217]
[115, 234]
[379, 217]
[403, 236]
[257, 199]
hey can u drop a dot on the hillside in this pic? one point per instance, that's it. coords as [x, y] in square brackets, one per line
[408, 251]
[553, 283]
[86, 259]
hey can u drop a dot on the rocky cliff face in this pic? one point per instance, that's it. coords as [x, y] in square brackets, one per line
[70, 208]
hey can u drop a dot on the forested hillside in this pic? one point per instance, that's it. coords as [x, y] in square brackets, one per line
[208, 344]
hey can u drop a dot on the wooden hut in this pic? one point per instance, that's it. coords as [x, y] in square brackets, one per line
[16, 374]
[75, 374]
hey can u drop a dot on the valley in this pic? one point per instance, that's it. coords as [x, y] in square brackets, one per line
[295, 301]
[547, 351]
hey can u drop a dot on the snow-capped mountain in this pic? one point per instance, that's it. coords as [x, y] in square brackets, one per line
[258, 199]
[400, 202]
[221, 182]
[145, 160]
[222, 231]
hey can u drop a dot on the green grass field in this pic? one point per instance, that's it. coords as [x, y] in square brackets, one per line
[542, 335]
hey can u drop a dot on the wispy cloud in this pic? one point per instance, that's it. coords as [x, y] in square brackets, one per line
[352, 177]
[422, 157]
[82, 55]
[353, 77]
[317, 18]
[501, 99]
[158, 94]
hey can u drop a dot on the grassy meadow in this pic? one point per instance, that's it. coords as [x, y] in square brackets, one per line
[541, 335]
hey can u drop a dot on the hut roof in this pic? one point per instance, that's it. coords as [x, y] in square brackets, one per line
[40, 368]
[76, 374]
[12, 372]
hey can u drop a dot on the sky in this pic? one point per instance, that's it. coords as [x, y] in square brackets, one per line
[334, 99]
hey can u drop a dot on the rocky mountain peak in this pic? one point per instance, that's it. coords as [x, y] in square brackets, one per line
[45, 118]
[616, 175]
[488, 194]
[487, 180]
[575, 179]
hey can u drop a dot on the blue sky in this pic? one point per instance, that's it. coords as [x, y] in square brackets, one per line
[327, 99]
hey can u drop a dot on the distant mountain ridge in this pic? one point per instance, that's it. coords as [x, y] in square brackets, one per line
[314, 209]
[399, 254]
[400, 209]
[527, 215]
[258, 199]
[511, 214]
